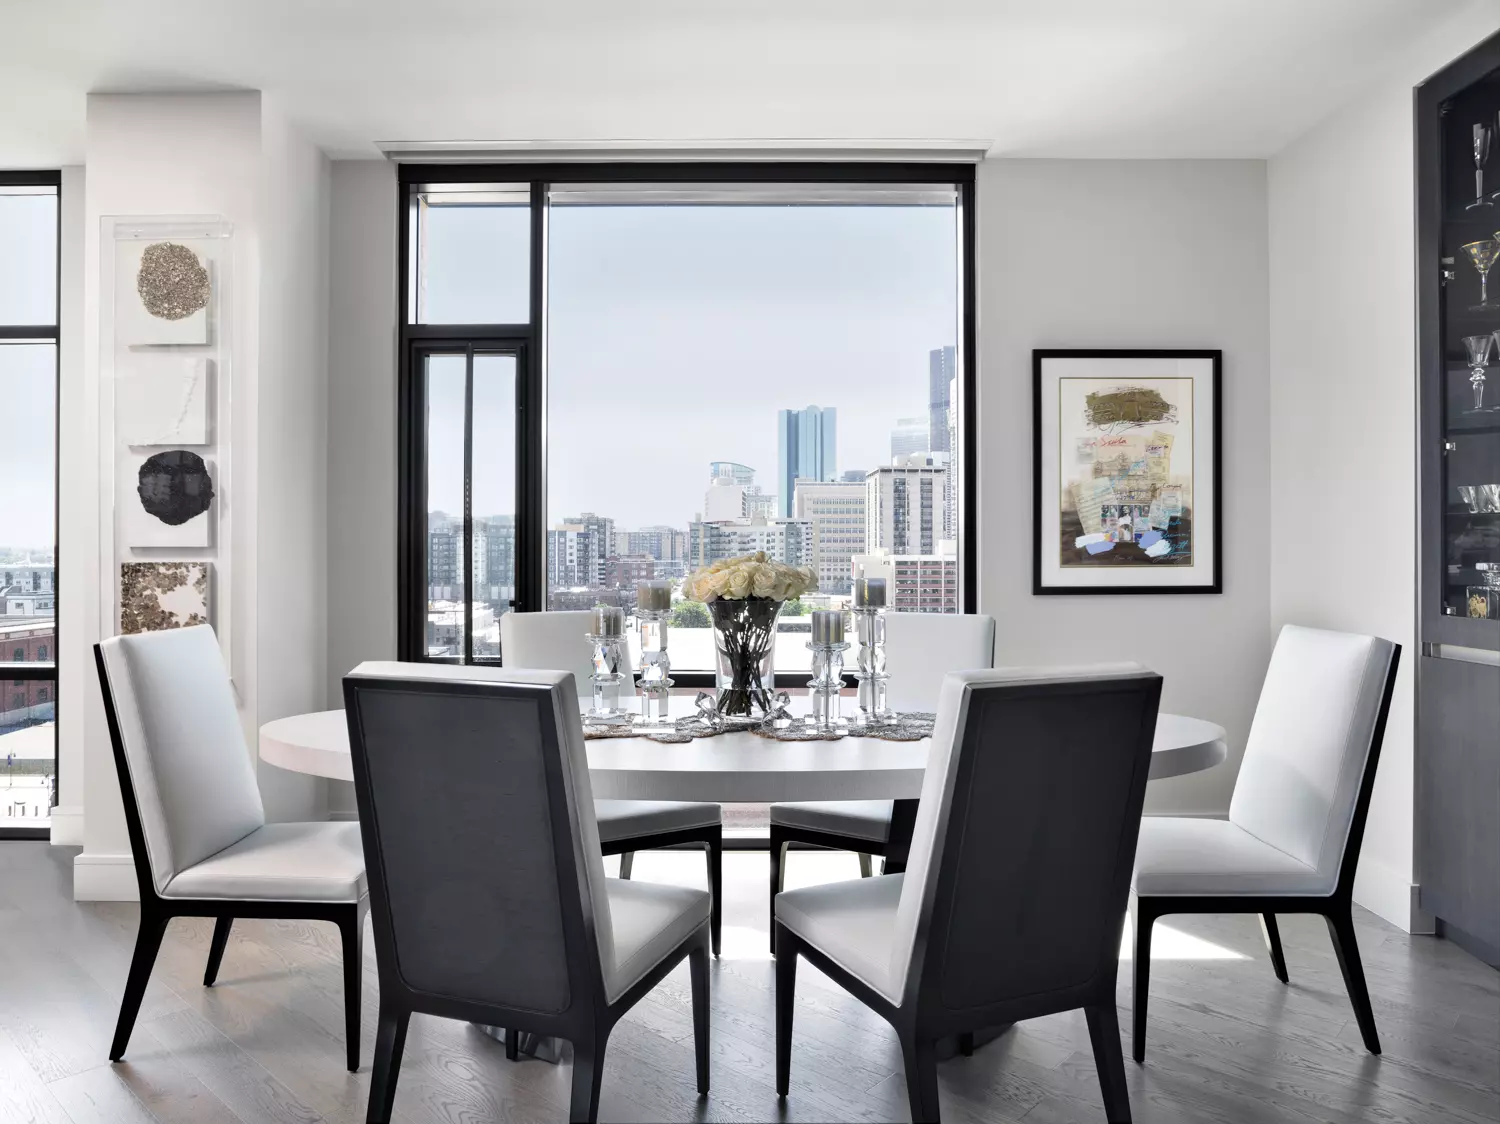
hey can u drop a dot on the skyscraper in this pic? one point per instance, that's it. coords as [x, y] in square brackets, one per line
[805, 449]
[942, 369]
[911, 435]
[904, 506]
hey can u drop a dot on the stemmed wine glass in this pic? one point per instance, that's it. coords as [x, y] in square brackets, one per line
[1478, 348]
[1483, 254]
[1483, 135]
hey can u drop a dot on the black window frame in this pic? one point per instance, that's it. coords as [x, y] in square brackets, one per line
[43, 670]
[530, 341]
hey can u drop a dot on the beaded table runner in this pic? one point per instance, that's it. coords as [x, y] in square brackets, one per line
[911, 727]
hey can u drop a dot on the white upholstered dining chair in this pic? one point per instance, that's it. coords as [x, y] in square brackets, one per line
[1011, 905]
[555, 641]
[921, 648]
[198, 832]
[498, 912]
[1297, 818]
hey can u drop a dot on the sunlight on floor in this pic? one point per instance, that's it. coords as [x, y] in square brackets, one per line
[746, 888]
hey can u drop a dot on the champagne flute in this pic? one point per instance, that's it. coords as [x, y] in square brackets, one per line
[1483, 135]
[1478, 348]
[1483, 254]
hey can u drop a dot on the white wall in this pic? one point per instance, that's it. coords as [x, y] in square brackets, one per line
[361, 427]
[1168, 254]
[230, 155]
[1343, 408]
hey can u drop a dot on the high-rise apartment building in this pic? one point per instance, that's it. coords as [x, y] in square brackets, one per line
[911, 435]
[904, 506]
[836, 510]
[738, 473]
[916, 583]
[663, 543]
[942, 370]
[805, 449]
[445, 562]
[577, 550]
[785, 540]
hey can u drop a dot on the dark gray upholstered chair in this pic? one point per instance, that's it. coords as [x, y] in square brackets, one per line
[1014, 897]
[487, 890]
[554, 639]
[922, 648]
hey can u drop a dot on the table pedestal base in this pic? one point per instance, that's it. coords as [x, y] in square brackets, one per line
[532, 1045]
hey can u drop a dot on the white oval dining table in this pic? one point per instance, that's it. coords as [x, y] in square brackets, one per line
[737, 767]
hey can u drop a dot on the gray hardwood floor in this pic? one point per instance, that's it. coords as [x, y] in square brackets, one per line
[1228, 1044]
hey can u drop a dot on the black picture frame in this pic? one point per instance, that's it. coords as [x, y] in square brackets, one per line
[1041, 534]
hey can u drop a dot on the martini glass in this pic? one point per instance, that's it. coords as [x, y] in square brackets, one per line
[1483, 135]
[1483, 254]
[1478, 348]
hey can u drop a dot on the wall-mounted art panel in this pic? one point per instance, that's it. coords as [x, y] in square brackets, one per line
[159, 595]
[173, 502]
[163, 293]
[164, 401]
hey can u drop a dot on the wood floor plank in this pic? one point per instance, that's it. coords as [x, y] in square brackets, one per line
[99, 1096]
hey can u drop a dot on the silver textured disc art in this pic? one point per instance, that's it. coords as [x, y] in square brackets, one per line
[172, 282]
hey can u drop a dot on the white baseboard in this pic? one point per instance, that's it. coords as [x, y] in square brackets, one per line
[67, 825]
[104, 878]
[344, 817]
[1387, 894]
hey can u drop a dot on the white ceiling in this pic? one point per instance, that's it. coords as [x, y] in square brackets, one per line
[1145, 78]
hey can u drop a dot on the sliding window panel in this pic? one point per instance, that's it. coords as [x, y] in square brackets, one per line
[493, 497]
[28, 599]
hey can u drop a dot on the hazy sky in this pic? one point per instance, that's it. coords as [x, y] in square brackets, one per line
[28, 289]
[678, 332]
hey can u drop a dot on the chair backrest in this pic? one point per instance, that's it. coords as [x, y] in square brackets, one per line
[186, 776]
[550, 641]
[1019, 872]
[922, 648]
[486, 877]
[1314, 739]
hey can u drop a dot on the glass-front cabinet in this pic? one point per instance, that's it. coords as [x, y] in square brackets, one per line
[1459, 234]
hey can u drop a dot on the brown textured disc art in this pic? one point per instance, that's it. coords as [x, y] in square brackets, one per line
[172, 282]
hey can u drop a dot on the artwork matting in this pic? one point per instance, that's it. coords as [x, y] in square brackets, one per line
[1127, 480]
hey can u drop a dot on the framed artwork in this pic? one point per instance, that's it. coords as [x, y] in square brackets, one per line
[1127, 472]
[161, 595]
[164, 401]
[174, 492]
[163, 291]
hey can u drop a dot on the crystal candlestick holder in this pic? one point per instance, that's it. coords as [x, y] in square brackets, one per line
[610, 674]
[824, 686]
[869, 631]
[654, 681]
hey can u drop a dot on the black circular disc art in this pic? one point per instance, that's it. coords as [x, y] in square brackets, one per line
[174, 486]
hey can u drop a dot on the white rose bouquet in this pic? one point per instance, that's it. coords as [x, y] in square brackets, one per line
[744, 597]
[750, 575]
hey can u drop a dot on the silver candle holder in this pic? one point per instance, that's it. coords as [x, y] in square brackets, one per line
[611, 658]
[827, 648]
[653, 605]
[869, 633]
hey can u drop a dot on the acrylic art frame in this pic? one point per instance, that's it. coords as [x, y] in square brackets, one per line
[1127, 477]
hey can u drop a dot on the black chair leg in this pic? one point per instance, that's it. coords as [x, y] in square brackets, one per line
[216, 949]
[1272, 935]
[866, 867]
[966, 1043]
[588, 1077]
[1341, 931]
[716, 888]
[778, 857]
[920, 1058]
[786, 998]
[1109, 1060]
[390, 1041]
[512, 1044]
[698, 969]
[627, 864]
[147, 943]
[352, 933]
[1144, 920]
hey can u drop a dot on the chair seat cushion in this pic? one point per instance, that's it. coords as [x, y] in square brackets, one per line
[282, 862]
[625, 819]
[857, 819]
[1180, 856]
[852, 923]
[649, 921]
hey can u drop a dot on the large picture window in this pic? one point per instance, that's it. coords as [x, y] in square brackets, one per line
[616, 373]
[28, 504]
